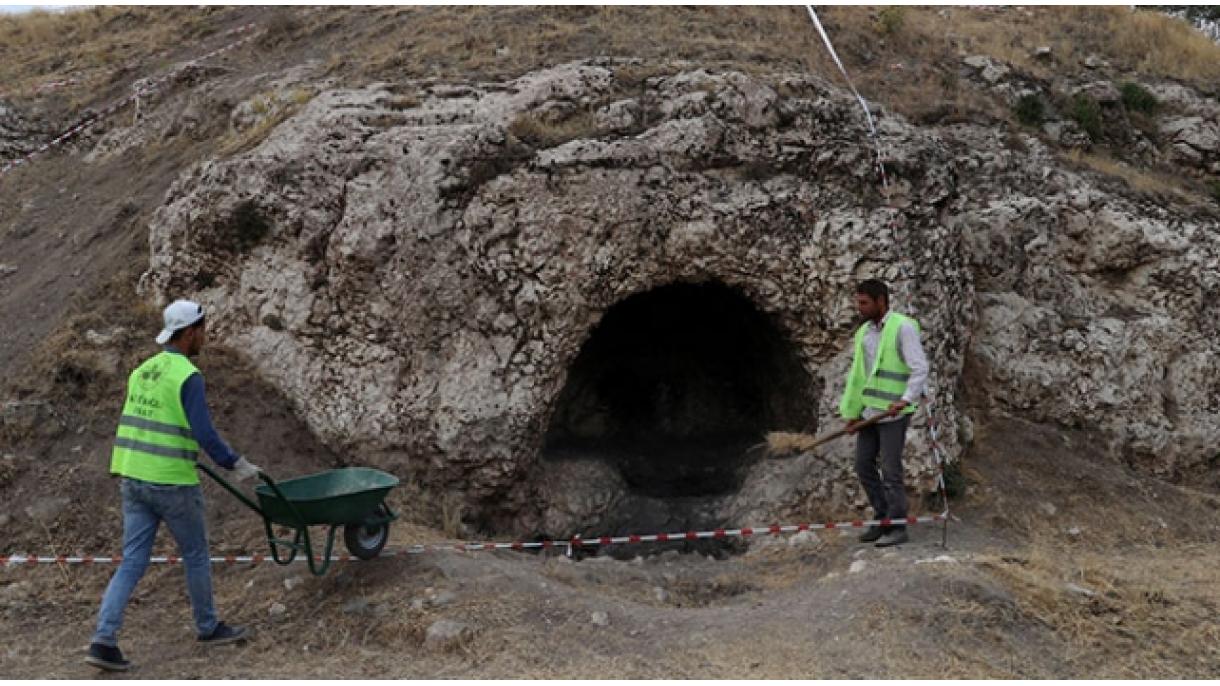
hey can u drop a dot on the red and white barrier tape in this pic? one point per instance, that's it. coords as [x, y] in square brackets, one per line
[140, 88]
[52, 85]
[575, 542]
[44, 87]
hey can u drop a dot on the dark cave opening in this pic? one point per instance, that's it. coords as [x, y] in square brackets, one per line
[675, 385]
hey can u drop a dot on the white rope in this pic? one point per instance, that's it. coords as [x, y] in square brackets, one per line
[868, 115]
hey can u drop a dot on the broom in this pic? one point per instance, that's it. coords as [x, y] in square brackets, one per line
[782, 444]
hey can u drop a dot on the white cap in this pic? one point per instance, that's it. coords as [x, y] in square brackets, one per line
[179, 315]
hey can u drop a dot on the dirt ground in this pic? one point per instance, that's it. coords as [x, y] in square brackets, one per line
[1061, 564]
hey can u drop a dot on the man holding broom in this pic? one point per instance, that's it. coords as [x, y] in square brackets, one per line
[887, 375]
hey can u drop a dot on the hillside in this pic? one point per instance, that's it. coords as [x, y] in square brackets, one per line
[425, 232]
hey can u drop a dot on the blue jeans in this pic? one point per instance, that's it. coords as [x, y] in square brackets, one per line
[145, 506]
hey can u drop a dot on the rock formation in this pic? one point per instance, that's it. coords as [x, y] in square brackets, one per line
[420, 266]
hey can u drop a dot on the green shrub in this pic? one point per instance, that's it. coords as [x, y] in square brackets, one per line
[1087, 113]
[1030, 110]
[891, 18]
[1214, 187]
[955, 480]
[1137, 98]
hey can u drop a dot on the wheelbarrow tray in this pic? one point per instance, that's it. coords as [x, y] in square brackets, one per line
[338, 496]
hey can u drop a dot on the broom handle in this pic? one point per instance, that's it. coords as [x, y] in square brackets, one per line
[842, 432]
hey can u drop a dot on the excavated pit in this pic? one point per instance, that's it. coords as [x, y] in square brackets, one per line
[673, 388]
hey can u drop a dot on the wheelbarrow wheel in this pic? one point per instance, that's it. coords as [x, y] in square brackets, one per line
[365, 541]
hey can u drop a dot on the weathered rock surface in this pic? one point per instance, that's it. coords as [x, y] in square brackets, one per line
[1195, 140]
[20, 131]
[418, 269]
[1099, 312]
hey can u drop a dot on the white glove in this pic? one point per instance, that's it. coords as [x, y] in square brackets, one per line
[243, 469]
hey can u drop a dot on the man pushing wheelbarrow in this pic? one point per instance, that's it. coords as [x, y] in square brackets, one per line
[165, 422]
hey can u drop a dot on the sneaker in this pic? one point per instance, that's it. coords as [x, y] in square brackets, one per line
[896, 536]
[872, 534]
[223, 633]
[109, 658]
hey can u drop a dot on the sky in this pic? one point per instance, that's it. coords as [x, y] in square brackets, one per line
[18, 9]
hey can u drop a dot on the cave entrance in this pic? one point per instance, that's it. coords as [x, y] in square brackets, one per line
[674, 386]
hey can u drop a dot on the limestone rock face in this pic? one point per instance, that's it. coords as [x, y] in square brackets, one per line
[418, 265]
[1195, 140]
[20, 131]
[1099, 312]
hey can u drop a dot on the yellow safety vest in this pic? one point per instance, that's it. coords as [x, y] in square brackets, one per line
[885, 383]
[154, 441]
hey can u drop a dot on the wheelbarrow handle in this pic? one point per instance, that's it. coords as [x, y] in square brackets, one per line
[229, 487]
[275, 488]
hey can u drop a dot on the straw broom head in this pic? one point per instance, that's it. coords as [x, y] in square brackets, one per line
[785, 443]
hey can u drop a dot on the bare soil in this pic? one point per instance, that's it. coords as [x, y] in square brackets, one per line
[1118, 582]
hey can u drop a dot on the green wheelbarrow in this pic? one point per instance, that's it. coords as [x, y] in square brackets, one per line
[353, 498]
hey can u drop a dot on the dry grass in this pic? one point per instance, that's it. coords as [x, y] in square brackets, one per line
[913, 68]
[1059, 607]
[485, 42]
[273, 109]
[1130, 614]
[538, 132]
[1157, 44]
[1146, 41]
[98, 45]
[906, 59]
[1142, 553]
[1140, 180]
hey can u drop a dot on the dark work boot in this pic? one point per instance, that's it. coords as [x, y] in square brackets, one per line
[223, 633]
[109, 658]
[895, 536]
[872, 534]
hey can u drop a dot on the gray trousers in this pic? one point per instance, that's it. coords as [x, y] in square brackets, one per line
[885, 490]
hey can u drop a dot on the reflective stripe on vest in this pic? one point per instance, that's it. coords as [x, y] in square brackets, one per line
[158, 450]
[154, 441]
[886, 382]
[159, 427]
[877, 393]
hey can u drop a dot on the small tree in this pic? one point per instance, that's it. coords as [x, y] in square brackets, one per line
[892, 18]
[1030, 111]
[1087, 113]
[1136, 98]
